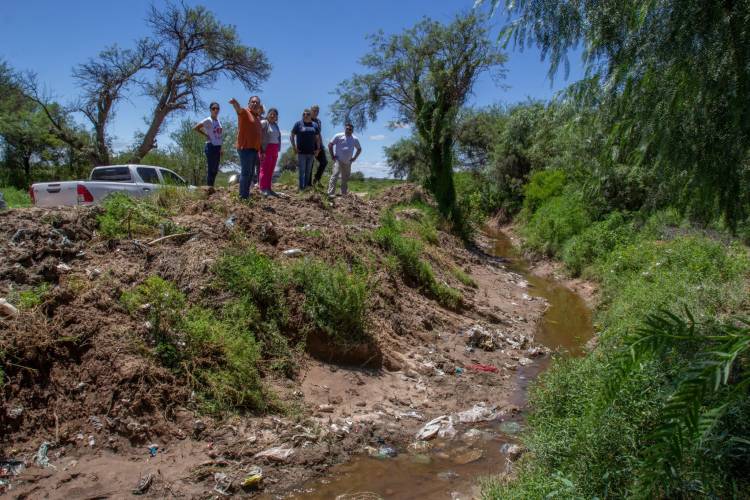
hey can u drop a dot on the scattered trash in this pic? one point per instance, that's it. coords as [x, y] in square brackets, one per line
[483, 368]
[510, 427]
[223, 483]
[7, 309]
[11, 467]
[292, 252]
[276, 454]
[420, 446]
[233, 179]
[459, 370]
[268, 233]
[16, 412]
[481, 337]
[93, 272]
[41, 456]
[144, 483]
[230, 222]
[92, 441]
[198, 427]
[325, 408]
[412, 414]
[431, 428]
[253, 478]
[386, 452]
[96, 422]
[153, 449]
[63, 267]
[480, 412]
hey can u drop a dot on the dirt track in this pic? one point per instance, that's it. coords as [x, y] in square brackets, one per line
[78, 379]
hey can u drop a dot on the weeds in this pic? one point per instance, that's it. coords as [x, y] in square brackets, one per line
[464, 278]
[15, 198]
[34, 297]
[416, 270]
[124, 216]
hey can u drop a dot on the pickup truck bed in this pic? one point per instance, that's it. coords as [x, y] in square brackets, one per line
[134, 180]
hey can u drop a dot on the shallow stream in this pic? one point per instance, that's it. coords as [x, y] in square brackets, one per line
[450, 469]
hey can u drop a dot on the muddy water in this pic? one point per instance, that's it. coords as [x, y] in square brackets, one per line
[443, 471]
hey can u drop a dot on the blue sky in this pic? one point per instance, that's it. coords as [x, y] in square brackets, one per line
[312, 45]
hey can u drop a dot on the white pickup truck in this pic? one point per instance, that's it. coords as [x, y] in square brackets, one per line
[134, 180]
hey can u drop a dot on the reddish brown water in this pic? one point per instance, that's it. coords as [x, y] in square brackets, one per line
[437, 473]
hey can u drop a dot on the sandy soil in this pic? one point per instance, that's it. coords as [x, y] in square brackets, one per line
[78, 379]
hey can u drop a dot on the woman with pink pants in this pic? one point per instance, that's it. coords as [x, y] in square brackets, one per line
[270, 146]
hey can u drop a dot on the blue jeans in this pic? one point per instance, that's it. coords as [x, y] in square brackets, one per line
[248, 158]
[213, 156]
[305, 165]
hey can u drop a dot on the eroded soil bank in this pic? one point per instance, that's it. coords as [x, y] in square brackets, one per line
[82, 381]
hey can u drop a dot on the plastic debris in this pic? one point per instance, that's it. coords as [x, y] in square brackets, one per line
[459, 370]
[276, 454]
[7, 309]
[223, 483]
[11, 467]
[292, 252]
[483, 368]
[387, 452]
[92, 441]
[524, 361]
[230, 222]
[253, 478]
[63, 267]
[480, 412]
[513, 450]
[41, 457]
[153, 449]
[412, 414]
[144, 483]
[431, 428]
[483, 338]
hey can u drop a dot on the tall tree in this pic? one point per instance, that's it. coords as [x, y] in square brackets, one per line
[103, 81]
[675, 80]
[424, 75]
[193, 50]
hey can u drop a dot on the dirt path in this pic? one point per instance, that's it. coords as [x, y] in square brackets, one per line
[84, 405]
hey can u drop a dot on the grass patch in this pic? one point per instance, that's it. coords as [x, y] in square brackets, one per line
[127, 217]
[408, 252]
[590, 431]
[464, 278]
[34, 297]
[218, 356]
[15, 198]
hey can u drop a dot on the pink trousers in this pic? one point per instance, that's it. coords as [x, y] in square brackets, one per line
[267, 166]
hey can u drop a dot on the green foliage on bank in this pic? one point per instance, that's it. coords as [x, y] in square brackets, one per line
[660, 407]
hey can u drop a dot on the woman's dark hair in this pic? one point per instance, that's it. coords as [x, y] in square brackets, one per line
[213, 104]
[272, 110]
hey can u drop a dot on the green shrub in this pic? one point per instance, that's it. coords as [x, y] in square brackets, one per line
[557, 220]
[464, 278]
[162, 301]
[29, 299]
[598, 441]
[221, 360]
[417, 271]
[15, 198]
[596, 241]
[543, 185]
[124, 216]
[256, 276]
[335, 300]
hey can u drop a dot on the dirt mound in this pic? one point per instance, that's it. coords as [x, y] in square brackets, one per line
[80, 370]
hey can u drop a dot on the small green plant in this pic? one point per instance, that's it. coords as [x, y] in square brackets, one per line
[15, 198]
[29, 299]
[464, 278]
[416, 270]
[557, 220]
[596, 241]
[162, 302]
[335, 300]
[124, 216]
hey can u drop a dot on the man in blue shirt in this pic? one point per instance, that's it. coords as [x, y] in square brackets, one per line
[305, 139]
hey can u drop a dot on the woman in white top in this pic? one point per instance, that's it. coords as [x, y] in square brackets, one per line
[269, 147]
[211, 129]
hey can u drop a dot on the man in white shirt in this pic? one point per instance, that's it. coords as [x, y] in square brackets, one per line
[342, 148]
[210, 128]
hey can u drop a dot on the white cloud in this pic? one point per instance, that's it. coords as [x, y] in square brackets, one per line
[378, 137]
[378, 169]
[285, 132]
[399, 125]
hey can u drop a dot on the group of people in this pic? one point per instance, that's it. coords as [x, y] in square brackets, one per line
[259, 142]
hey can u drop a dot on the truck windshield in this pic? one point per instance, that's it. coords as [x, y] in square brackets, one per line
[112, 174]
